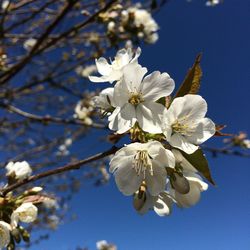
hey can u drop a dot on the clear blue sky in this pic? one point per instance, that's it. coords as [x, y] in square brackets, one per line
[221, 221]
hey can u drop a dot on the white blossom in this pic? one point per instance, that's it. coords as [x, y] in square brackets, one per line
[105, 99]
[135, 99]
[27, 213]
[50, 203]
[113, 72]
[30, 43]
[182, 161]
[184, 124]
[5, 229]
[5, 4]
[104, 245]
[87, 71]
[83, 113]
[196, 185]
[246, 143]
[161, 204]
[21, 170]
[212, 2]
[142, 20]
[141, 162]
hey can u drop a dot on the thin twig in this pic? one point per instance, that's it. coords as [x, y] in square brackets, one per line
[49, 119]
[68, 167]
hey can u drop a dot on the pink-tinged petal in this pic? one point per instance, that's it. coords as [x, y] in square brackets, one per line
[103, 67]
[133, 74]
[157, 85]
[123, 119]
[179, 141]
[189, 107]
[156, 183]
[149, 116]
[204, 130]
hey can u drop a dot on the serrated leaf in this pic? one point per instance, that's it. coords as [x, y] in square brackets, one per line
[192, 81]
[199, 161]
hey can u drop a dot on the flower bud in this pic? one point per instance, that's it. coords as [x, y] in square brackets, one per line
[180, 183]
[139, 198]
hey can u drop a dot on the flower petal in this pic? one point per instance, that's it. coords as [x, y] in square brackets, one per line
[204, 130]
[190, 199]
[126, 178]
[166, 158]
[122, 119]
[156, 183]
[157, 85]
[149, 116]
[121, 94]
[133, 74]
[190, 107]
[180, 159]
[162, 205]
[137, 54]
[179, 141]
[103, 67]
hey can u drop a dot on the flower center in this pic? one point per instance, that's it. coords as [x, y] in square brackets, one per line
[141, 162]
[179, 127]
[135, 98]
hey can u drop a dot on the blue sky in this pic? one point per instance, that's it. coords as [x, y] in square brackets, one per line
[221, 220]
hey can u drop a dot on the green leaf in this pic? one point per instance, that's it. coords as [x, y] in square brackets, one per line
[199, 161]
[192, 81]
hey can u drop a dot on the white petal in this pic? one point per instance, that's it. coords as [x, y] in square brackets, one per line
[157, 85]
[179, 141]
[183, 161]
[166, 158]
[122, 58]
[156, 183]
[193, 177]
[162, 205]
[99, 79]
[204, 130]
[192, 107]
[137, 54]
[126, 178]
[190, 199]
[121, 94]
[123, 119]
[153, 148]
[149, 116]
[133, 74]
[103, 67]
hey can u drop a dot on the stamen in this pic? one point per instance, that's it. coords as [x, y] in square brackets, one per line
[181, 127]
[135, 98]
[142, 162]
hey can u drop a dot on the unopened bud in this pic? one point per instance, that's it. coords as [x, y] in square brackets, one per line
[180, 183]
[140, 198]
[16, 235]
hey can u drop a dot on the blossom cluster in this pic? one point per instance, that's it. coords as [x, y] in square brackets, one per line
[154, 167]
[18, 209]
[130, 22]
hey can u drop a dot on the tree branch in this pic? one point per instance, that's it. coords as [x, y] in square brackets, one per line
[68, 167]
